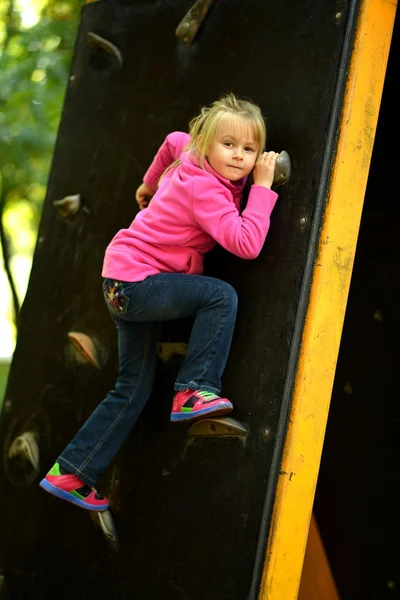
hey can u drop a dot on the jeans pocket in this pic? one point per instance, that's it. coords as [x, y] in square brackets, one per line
[115, 297]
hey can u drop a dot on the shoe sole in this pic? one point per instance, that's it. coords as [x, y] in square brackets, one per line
[222, 409]
[55, 491]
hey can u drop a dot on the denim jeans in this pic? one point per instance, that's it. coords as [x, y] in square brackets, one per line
[138, 310]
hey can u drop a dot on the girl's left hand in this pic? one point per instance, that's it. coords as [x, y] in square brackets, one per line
[142, 195]
[264, 170]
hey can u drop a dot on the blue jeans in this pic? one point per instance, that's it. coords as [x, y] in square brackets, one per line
[138, 309]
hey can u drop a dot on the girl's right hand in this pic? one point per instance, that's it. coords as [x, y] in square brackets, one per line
[263, 173]
[143, 193]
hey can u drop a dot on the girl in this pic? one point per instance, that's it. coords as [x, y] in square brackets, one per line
[152, 274]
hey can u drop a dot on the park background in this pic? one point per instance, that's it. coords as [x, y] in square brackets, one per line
[36, 46]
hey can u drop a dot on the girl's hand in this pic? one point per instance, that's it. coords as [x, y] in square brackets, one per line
[142, 195]
[263, 173]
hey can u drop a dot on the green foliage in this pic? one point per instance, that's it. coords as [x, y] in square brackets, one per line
[4, 369]
[34, 66]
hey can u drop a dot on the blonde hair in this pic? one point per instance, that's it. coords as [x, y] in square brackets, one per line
[206, 125]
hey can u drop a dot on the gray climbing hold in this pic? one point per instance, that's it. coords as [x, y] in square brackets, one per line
[97, 42]
[283, 169]
[23, 459]
[68, 207]
[105, 521]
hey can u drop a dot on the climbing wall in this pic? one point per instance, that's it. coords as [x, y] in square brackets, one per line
[187, 509]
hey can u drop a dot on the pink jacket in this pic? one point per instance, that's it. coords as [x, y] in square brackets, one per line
[190, 212]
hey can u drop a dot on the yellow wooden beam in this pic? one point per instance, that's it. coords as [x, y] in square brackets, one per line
[317, 582]
[327, 305]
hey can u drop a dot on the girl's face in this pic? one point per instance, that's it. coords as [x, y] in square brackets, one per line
[233, 151]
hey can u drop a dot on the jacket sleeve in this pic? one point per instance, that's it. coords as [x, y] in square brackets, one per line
[242, 234]
[169, 151]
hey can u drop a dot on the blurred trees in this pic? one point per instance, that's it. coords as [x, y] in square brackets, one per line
[36, 44]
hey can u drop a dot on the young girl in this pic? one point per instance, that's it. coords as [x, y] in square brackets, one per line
[153, 274]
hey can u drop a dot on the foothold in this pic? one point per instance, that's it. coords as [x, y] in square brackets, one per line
[338, 16]
[221, 427]
[24, 458]
[25, 446]
[97, 42]
[283, 168]
[190, 24]
[378, 316]
[105, 521]
[303, 221]
[68, 206]
[85, 349]
[169, 350]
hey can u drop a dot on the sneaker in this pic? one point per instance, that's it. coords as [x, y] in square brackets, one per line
[68, 487]
[189, 405]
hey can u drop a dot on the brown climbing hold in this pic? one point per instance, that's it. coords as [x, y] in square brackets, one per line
[190, 24]
[283, 169]
[214, 427]
[97, 42]
[68, 206]
[85, 348]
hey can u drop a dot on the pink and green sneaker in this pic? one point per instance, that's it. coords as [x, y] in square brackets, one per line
[68, 487]
[189, 405]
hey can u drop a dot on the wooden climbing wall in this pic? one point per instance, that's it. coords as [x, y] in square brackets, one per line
[191, 514]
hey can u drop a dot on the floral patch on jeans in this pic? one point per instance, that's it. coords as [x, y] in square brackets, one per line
[116, 298]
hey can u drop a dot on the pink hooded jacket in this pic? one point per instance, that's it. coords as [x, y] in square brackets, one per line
[190, 212]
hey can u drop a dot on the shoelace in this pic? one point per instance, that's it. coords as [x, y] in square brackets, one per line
[206, 395]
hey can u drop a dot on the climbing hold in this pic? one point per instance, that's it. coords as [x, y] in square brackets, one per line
[169, 350]
[24, 458]
[283, 169]
[97, 42]
[84, 348]
[68, 206]
[105, 521]
[221, 427]
[25, 446]
[190, 24]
